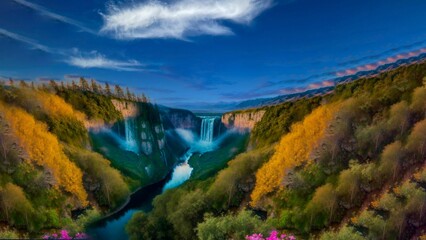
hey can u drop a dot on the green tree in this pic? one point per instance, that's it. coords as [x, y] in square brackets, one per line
[94, 86]
[323, 202]
[229, 226]
[118, 91]
[84, 85]
[107, 89]
[390, 161]
[14, 201]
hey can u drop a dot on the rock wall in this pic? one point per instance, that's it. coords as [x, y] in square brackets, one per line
[128, 109]
[179, 118]
[242, 121]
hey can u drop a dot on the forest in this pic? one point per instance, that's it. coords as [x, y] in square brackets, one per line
[50, 179]
[345, 165]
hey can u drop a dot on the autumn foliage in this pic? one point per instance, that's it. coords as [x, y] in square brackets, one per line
[45, 150]
[293, 150]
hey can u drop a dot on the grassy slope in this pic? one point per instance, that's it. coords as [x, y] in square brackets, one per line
[208, 164]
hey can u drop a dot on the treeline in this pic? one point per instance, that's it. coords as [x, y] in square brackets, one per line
[315, 163]
[91, 98]
[47, 173]
[114, 91]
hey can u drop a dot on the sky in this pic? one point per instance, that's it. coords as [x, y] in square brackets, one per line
[183, 53]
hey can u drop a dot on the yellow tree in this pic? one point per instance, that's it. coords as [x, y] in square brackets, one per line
[45, 150]
[57, 106]
[293, 150]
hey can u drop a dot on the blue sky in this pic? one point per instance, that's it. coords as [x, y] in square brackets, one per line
[181, 52]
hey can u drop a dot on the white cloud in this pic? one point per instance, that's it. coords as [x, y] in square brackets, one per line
[181, 18]
[77, 58]
[55, 16]
[97, 60]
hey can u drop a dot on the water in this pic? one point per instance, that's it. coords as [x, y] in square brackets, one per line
[130, 135]
[207, 128]
[181, 173]
[113, 227]
[128, 142]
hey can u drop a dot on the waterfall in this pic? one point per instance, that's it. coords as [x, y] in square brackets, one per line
[207, 127]
[130, 135]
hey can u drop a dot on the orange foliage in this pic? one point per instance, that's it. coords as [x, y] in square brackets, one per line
[45, 150]
[55, 105]
[293, 150]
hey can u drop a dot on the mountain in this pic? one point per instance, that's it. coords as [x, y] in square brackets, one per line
[255, 103]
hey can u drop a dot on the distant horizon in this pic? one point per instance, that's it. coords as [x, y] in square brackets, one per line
[263, 49]
[223, 107]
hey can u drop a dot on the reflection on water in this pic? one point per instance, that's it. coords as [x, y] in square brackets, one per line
[113, 227]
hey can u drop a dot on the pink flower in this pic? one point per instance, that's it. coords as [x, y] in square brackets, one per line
[64, 235]
[273, 236]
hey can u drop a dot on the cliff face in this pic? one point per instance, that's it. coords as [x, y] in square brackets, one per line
[138, 144]
[179, 118]
[243, 121]
[127, 109]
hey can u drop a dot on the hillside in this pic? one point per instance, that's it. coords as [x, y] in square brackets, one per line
[345, 165]
[62, 154]
[257, 103]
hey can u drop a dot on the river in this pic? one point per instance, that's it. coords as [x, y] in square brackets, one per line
[113, 226]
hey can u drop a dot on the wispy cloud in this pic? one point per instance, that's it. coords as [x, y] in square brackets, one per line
[97, 60]
[180, 19]
[78, 58]
[33, 44]
[55, 16]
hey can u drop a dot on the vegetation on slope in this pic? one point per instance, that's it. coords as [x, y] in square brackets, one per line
[372, 140]
[49, 180]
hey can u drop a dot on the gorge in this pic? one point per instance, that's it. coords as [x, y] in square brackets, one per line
[197, 141]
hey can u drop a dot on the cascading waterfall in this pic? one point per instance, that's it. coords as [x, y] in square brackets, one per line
[207, 128]
[130, 135]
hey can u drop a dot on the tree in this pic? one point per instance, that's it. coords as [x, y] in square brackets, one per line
[107, 89]
[349, 181]
[188, 213]
[294, 149]
[95, 87]
[416, 141]
[112, 187]
[344, 233]
[45, 151]
[53, 85]
[23, 84]
[418, 102]
[118, 91]
[139, 227]
[399, 117]
[129, 94]
[144, 98]
[74, 85]
[84, 85]
[391, 160]
[324, 200]
[14, 201]
[229, 226]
